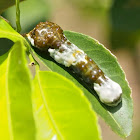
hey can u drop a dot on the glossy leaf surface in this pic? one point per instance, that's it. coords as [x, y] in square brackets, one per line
[61, 110]
[4, 129]
[16, 97]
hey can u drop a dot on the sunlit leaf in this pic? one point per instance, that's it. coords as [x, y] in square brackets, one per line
[6, 31]
[61, 110]
[4, 130]
[16, 117]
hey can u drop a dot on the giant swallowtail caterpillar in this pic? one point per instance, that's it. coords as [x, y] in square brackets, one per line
[48, 36]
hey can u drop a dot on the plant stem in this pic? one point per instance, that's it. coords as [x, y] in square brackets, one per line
[18, 27]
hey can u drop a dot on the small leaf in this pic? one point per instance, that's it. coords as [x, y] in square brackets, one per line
[15, 97]
[61, 110]
[119, 117]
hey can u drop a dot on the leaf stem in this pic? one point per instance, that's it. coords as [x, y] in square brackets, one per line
[18, 26]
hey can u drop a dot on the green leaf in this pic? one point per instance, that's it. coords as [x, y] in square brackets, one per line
[61, 110]
[6, 31]
[4, 4]
[3, 105]
[17, 120]
[43, 127]
[119, 118]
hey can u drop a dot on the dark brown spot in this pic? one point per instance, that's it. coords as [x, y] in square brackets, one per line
[61, 50]
[68, 43]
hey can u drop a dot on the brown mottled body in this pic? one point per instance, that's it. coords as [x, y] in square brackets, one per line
[50, 35]
[89, 71]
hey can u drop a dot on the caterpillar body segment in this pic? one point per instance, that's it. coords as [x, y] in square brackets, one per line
[49, 36]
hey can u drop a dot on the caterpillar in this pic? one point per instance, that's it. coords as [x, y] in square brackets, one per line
[48, 36]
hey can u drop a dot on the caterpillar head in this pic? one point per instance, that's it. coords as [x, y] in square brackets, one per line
[46, 35]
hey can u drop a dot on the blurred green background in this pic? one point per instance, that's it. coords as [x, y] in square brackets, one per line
[114, 23]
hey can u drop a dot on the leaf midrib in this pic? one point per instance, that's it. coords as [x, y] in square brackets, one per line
[8, 101]
[47, 109]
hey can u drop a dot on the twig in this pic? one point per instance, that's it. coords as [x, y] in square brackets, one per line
[18, 26]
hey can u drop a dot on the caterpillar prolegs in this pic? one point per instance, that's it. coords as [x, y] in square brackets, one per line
[49, 36]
